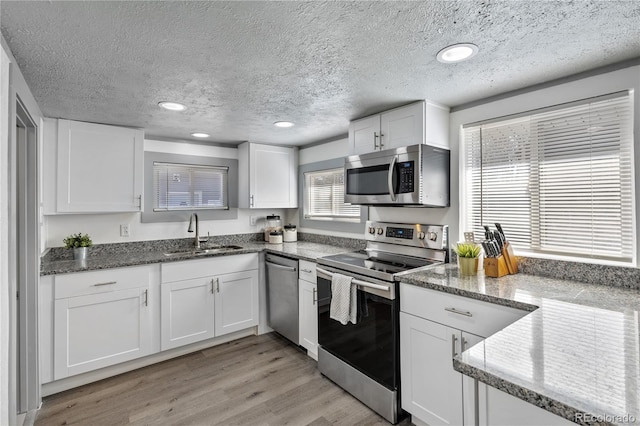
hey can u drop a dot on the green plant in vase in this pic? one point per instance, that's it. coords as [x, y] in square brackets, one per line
[467, 258]
[79, 243]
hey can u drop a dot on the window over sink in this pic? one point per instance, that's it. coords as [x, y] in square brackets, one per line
[190, 187]
[559, 180]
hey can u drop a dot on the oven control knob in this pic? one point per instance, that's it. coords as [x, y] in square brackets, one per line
[380, 231]
[372, 230]
[421, 235]
[433, 236]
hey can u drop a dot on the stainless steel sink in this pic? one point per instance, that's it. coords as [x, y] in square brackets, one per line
[201, 252]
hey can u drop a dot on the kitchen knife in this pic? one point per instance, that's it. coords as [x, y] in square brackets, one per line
[499, 239]
[487, 232]
[487, 250]
[499, 228]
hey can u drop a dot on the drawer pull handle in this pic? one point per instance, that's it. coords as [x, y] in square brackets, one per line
[308, 271]
[107, 283]
[455, 311]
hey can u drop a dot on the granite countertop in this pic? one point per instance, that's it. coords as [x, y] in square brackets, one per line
[140, 254]
[577, 354]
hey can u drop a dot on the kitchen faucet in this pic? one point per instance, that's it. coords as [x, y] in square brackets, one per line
[196, 242]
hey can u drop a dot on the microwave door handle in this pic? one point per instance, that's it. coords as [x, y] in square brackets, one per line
[392, 167]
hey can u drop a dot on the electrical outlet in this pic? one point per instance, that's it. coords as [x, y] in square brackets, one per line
[253, 219]
[124, 230]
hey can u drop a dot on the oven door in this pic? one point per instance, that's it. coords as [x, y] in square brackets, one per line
[392, 178]
[372, 344]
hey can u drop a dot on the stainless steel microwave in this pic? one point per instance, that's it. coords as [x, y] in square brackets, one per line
[416, 175]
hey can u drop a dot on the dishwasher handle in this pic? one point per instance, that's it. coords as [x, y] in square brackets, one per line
[285, 268]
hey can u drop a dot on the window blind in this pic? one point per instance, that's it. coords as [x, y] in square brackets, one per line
[559, 182]
[324, 193]
[190, 187]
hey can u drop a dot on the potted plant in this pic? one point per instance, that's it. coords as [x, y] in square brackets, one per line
[79, 243]
[468, 258]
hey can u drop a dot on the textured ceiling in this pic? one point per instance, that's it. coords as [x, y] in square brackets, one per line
[240, 66]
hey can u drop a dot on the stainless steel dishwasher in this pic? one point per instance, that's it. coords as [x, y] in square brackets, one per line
[282, 296]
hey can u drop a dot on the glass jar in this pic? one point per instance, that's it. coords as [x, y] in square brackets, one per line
[273, 224]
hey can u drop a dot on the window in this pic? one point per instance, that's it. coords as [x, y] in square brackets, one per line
[324, 196]
[559, 180]
[189, 187]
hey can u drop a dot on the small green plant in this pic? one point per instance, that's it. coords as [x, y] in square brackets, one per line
[77, 240]
[468, 250]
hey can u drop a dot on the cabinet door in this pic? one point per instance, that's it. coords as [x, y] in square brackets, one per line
[99, 168]
[273, 177]
[468, 384]
[431, 388]
[364, 135]
[308, 308]
[403, 126]
[98, 330]
[187, 312]
[236, 304]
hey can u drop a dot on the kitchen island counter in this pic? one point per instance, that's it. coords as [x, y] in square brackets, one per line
[577, 354]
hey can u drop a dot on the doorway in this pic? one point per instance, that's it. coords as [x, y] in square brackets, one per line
[26, 260]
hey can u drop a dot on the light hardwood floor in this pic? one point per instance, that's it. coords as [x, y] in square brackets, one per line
[258, 380]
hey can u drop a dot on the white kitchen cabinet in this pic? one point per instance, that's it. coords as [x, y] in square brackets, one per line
[435, 327]
[236, 302]
[187, 312]
[308, 308]
[98, 168]
[267, 176]
[207, 298]
[416, 123]
[102, 318]
[497, 408]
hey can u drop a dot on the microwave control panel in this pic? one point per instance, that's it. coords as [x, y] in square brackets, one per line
[406, 171]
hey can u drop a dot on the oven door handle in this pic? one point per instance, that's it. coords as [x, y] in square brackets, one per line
[355, 281]
[392, 167]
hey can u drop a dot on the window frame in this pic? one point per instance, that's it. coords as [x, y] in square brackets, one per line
[351, 226]
[466, 193]
[148, 214]
[307, 199]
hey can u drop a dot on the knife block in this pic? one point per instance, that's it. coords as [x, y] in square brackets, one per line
[495, 267]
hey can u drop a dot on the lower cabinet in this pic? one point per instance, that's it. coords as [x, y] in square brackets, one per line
[207, 298]
[497, 408]
[434, 328]
[308, 308]
[431, 389]
[101, 318]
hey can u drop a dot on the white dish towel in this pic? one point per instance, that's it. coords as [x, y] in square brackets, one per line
[344, 303]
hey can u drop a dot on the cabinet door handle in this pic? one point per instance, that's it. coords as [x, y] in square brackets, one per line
[464, 344]
[107, 283]
[381, 144]
[146, 298]
[217, 285]
[315, 297]
[251, 201]
[455, 311]
[212, 290]
[140, 202]
[375, 140]
[308, 271]
[454, 339]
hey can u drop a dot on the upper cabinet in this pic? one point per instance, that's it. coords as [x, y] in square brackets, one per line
[417, 123]
[267, 176]
[92, 168]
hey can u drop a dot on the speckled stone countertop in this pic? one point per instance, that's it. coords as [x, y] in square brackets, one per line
[59, 261]
[577, 354]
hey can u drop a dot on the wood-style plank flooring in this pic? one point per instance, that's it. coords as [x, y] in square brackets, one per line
[258, 380]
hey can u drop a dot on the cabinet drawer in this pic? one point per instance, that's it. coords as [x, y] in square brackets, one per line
[198, 268]
[307, 271]
[94, 282]
[463, 313]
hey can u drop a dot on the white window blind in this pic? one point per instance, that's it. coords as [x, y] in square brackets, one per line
[559, 181]
[189, 187]
[324, 196]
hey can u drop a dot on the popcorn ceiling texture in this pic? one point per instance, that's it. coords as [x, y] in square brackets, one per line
[240, 66]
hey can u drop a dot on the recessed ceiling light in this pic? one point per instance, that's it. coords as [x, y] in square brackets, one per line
[283, 124]
[172, 106]
[200, 135]
[457, 53]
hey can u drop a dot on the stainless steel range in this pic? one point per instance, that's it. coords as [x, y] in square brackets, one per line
[364, 357]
